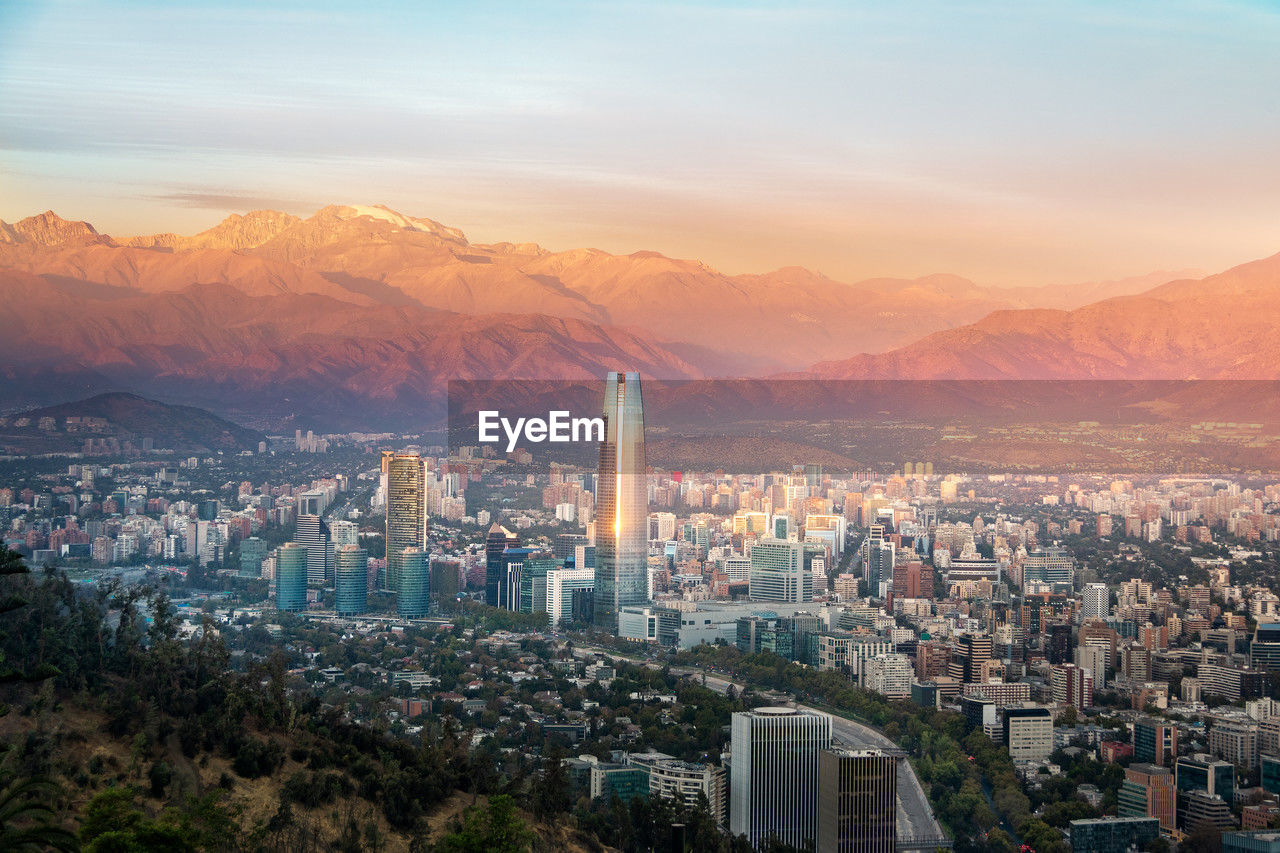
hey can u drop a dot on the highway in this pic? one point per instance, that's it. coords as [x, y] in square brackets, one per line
[915, 818]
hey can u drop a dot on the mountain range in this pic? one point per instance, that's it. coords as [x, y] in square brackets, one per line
[360, 312]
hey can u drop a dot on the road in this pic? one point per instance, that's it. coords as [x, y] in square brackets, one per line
[915, 817]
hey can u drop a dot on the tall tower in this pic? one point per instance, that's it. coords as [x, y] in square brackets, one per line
[495, 568]
[406, 516]
[351, 580]
[773, 776]
[413, 597]
[291, 577]
[312, 532]
[857, 801]
[622, 504]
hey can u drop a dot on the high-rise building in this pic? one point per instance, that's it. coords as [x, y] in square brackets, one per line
[406, 510]
[879, 574]
[413, 596]
[313, 533]
[778, 573]
[291, 577]
[1094, 659]
[1028, 732]
[1148, 791]
[912, 580]
[512, 566]
[498, 541]
[773, 774]
[1053, 566]
[561, 584]
[1155, 742]
[889, 675]
[857, 801]
[351, 580]
[1204, 773]
[622, 504]
[1096, 602]
[1071, 685]
[252, 552]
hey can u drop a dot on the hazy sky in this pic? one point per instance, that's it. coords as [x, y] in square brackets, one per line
[1015, 142]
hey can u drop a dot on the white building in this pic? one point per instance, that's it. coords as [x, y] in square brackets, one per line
[889, 675]
[773, 774]
[560, 586]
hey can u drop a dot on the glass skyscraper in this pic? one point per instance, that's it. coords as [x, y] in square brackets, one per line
[406, 511]
[291, 577]
[622, 504]
[413, 597]
[352, 580]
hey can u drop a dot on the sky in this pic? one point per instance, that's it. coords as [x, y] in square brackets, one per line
[1015, 143]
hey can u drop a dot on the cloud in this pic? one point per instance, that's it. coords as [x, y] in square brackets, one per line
[233, 201]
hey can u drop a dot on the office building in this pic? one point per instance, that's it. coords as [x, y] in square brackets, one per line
[312, 533]
[406, 510]
[912, 580]
[1236, 742]
[413, 597]
[1148, 791]
[561, 585]
[291, 577]
[622, 504]
[498, 541]
[252, 552]
[1028, 732]
[1113, 834]
[533, 582]
[1155, 742]
[857, 801]
[1270, 779]
[1258, 841]
[778, 572]
[1096, 601]
[351, 580]
[1264, 651]
[1196, 810]
[879, 570]
[1202, 772]
[1053, 566]
[773, 774]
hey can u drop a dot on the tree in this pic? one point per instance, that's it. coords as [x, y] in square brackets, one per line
[551, 789]
[492, 829]
[12, 565]
[27, 820]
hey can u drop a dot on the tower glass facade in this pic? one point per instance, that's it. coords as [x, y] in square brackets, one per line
[291, 577]
[857, 801]
[413, 597]
[351, 580]
[406, 519]
[622, 504]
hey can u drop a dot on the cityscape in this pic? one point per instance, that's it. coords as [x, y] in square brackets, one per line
[668, 426]
[907, 659]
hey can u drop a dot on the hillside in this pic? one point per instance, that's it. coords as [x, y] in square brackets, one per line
[123, 417]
